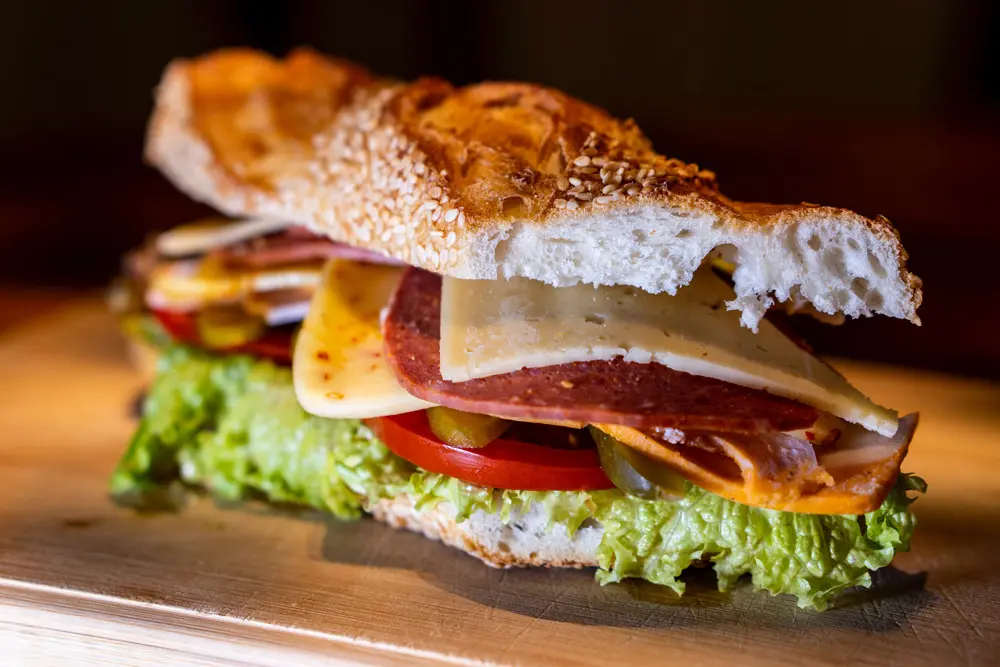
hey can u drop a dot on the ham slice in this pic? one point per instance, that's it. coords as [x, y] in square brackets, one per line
[292, 246]
[615, 391]
[782, 472]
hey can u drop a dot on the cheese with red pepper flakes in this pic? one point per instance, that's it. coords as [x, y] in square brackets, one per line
[338, 365]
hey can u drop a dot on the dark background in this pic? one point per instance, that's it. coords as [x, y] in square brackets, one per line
[884, 107]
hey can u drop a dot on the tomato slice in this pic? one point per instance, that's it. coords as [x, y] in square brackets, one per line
[502, 464]
[182, 327]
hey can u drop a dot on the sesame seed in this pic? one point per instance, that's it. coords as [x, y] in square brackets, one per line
[450, 240]
[575, 181]
[461, 219]
[588, 170]
[633, 190]
[435, 192]
[560, 203]
[599, 161]
[451, 215]
[603, 199]
[585, 196]
[608, 189]
[582, 161]
[437, 233]
[572, 204]
[562, 183]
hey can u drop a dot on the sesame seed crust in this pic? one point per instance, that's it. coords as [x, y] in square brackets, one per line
[437, 176]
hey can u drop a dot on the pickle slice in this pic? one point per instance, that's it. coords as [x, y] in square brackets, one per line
[465, 429]
[618, 469]
[221, 327]
[635, 473]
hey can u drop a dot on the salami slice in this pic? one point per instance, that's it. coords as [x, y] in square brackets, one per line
[292, 246]
[610, 392]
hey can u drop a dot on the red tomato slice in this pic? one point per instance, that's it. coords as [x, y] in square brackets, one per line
[502, 464]
[274, 345]
[180, 325]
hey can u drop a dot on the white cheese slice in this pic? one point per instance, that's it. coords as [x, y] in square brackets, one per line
[280, 306]
[490, 327]
[339, 367]
[199, 237]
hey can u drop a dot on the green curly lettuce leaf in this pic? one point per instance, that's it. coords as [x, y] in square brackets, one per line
[810, 556]
[234, 426]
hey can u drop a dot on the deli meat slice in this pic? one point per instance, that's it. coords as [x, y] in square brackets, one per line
[293, 246]
[616, 392]
[777, 471]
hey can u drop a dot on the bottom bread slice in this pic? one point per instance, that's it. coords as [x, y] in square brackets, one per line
[525, 539]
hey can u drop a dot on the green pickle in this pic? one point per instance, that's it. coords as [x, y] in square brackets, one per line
[465, 429]
[221, 327]
[635, 473]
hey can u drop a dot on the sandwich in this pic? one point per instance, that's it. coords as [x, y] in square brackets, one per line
[495, 315]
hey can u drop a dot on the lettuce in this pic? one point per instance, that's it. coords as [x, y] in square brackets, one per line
[810, 556]
[234, 426]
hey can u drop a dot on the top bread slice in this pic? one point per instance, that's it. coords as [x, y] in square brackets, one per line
[497, 180]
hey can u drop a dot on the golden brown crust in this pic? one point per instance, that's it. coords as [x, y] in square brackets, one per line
[509, 149]
[435, 175]
[256, 113]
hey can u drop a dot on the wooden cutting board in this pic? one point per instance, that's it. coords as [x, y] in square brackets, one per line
[85, 582]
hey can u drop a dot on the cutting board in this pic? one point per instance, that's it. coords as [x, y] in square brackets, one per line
[85, 582]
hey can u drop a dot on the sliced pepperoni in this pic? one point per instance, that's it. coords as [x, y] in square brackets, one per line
[613, 392]
[293, 246]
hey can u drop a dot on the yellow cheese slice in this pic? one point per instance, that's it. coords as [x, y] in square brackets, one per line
[339, 367]
[193, 284]
[490, 327]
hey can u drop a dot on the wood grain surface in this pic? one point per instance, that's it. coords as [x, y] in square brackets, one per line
[85, 582]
